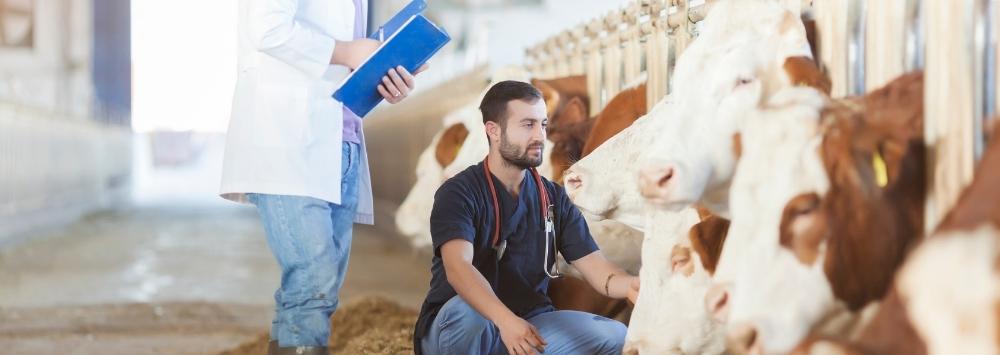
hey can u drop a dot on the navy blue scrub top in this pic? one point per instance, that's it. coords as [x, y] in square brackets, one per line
[463, 209]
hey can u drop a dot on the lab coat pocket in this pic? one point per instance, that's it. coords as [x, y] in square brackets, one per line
[281, 115]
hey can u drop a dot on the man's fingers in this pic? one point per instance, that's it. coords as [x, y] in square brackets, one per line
[541, 341]
[538, 335]
[407, 77]
[526, 348]
[385, 94]
[532, 341]
[391, 87]
[399, 82]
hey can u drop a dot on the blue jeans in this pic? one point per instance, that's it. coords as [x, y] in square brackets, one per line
[459, 329]
[311, 239]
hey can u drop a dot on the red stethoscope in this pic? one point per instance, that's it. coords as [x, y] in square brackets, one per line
[547, 212]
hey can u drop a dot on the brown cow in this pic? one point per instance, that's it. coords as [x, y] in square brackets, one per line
[970, 227]
[568, 108]
[848, 212]
[621, 111]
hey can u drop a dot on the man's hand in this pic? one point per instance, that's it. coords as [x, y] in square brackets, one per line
[633, 290]
[398, 84]
[520, 337]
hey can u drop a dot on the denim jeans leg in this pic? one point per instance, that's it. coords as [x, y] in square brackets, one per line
[572, 332]
[311, 240]
[459, 329]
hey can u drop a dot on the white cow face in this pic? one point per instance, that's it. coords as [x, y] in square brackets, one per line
[669, 317]
[603, 182]
[721, 71]
[729, 71]
[773, 296]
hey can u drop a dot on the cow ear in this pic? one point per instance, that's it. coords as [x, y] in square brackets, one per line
[803, 71]
[575, 111]
[893, 122]
[549, 94]
[707, 238]
[450, 143]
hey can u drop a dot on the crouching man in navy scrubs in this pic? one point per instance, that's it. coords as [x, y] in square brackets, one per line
[496, 228]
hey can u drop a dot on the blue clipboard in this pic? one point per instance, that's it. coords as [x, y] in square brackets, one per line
[390, 27]
[412, 45]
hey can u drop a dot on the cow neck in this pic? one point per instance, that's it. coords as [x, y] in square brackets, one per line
[543, 198]
[873, 228]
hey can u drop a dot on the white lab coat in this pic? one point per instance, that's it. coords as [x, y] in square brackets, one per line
[285, 133]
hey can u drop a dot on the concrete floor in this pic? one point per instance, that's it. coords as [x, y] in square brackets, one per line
[172, 274]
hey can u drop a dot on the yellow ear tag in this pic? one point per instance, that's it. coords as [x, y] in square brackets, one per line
[881, 173]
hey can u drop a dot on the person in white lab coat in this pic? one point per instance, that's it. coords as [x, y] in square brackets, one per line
[298, 155]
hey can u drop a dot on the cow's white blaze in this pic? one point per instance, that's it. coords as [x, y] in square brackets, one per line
[771, 289]
[609, 189]
[718, 74]
[735, 69]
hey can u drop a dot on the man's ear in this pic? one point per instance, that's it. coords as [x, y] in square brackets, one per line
[493, 131]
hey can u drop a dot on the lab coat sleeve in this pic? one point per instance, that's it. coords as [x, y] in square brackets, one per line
[274, 30]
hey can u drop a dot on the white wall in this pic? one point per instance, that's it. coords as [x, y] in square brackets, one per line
[56, 162]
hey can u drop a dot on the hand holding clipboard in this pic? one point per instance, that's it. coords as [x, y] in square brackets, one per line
[409, 41]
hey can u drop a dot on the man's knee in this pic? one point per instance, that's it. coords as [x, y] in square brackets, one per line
[457, 314]
[608, 336]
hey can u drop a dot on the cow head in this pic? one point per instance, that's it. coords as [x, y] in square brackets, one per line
[721, 74]
[568, 108]
[732, 72]
[678, 258]
[413, 215]
[822, 213]
[603, 182]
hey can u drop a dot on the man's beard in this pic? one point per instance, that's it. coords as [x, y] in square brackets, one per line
[515, 156]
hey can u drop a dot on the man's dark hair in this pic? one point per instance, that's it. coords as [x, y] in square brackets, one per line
[494, 105]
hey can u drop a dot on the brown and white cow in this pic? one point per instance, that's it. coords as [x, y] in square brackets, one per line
[679, 254]
[826, 203]
[946, 297]
[620, 243]
[413, 214]
[720, 72]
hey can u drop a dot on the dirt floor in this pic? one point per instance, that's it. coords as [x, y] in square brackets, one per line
[187, 280]
[370, 325]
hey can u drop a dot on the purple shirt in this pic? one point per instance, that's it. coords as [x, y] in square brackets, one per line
[352, 123]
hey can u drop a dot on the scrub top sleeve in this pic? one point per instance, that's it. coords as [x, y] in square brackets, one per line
[452, 216]
[573, 235]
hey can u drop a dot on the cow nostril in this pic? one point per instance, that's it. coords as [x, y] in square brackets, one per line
[717, 303]
[665, 177]
[654, 180]
[573, 181]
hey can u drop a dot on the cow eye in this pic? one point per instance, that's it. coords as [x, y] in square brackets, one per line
[805, 204]
[744, 81]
